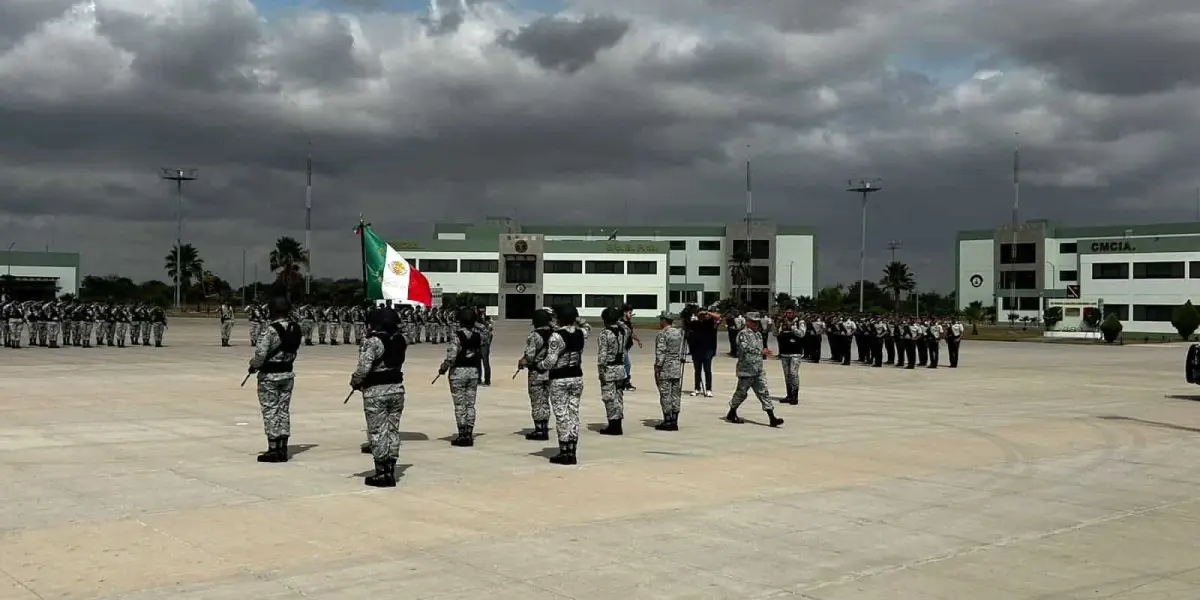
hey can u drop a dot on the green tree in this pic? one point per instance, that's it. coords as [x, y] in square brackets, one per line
[1012, 319]
[1111, 327]
[1186, 319]
[192, 266]
[784, 301]
[739, 272]
[288, 261]
[831, 298]
[897, 278]
[1052, 316]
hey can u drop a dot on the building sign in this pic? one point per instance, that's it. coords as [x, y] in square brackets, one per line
[631, 248]
[1073, 291]
[407, 245]
[435, 296]
[976, 280]
[1112, 247]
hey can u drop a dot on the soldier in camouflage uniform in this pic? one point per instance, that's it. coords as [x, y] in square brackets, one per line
[564, 365]
[15, 325]
[463, 362]
[669, 350]
[322, 323]
[790, 337]
[750, 372]
[610, 362]
[333, 314]
[381, 379]
[86, 324]
[359, 316]
[274, 355]
[483, 324]
[536, 346]
[137, 325]
[122, 329]
[158, 324]
[53, 321]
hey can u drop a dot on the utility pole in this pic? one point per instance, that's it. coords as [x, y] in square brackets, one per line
[749, 236]
[243, 277]
[894, 245]
[1012, 283]
[864, 187]
[178, 176]
[308, 226]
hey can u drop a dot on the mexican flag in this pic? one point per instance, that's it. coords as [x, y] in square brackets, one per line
[389, 276]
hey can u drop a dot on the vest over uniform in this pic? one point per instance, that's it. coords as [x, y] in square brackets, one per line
[469, 345]
[387, 369]
[789, 342]
[289, 343]
[569, 363]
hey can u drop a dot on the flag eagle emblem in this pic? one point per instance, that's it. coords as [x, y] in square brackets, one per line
[399, 268]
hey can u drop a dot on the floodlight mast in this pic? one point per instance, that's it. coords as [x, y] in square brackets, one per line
[864, 187]
[178, 176]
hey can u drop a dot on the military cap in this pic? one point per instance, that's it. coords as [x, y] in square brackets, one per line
[666, 316]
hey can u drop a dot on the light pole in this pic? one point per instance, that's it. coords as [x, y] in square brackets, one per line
[791, 272]
[178, 176]
[8, 276]
[864, 187]
[894, 245]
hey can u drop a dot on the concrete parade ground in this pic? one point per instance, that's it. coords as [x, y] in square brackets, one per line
[1032, 471]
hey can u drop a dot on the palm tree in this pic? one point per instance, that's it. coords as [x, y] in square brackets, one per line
[739, 272]
[974, 313]
[897, 278]
[287, 261]
[193, 266]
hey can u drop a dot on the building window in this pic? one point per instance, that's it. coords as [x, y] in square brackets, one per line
[605, 267]
[643, 301]
[1026, 254]
[709, 271]
[710, 245]
[1068, 248]
[469, 265]
[1194, 270]
[1072, 312]
[679, 244]
[1021, 280]
[1022, 303]
[1070, 276]
[711, 298]
[1110, 270]
[682, 296]
[759, 249]
[486, 299]
[680, 271]
[1154, 313]
[760, 275]
[520, 268]
[1121, 310]
[642, 267]
[603, 300]
[1158, 270]
[562, 267]
[553, 300]
[437, 265]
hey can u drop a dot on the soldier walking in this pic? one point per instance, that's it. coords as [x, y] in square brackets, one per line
[751, 374]
[274, 357]
[380, 377]
[668, 370]
[463, 362]
[226, 314]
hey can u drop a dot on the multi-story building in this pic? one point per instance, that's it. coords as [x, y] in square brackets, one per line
[1141, 273]
[517, 268]
[38, 275]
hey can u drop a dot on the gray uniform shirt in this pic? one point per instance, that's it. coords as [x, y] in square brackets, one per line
[368, 355]
[610, 350]
[750, 358]
[668, 353]
[534, 345]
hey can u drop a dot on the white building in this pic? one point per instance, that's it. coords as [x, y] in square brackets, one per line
[1141, 273]
[518, 268]
[39, 275]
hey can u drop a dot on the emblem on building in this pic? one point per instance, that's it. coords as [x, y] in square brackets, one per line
[976, 280]
[521, 246]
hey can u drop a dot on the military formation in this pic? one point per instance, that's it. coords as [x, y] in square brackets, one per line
[61, 324]
[324, 324]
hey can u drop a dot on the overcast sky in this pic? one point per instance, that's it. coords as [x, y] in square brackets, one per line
[586, 111]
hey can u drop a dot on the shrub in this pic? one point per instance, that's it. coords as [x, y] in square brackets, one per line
[1111, 328]
[1186, 319]
[1054, 315]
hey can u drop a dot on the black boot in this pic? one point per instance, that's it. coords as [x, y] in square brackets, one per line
[385, 475]
[365, 448]
[566, 454]
[465, 439]
[272, 455]
[540, 433]
[775, 421]
[614, 428]
[665, 424]
[733, 417]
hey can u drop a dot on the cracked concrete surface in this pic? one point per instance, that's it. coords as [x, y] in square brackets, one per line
[1034, 471]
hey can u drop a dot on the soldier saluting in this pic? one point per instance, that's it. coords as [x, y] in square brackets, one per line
[274, 356]
[380, 377]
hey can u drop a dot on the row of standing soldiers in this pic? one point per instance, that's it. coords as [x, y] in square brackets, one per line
[78, 324]
[328, 323]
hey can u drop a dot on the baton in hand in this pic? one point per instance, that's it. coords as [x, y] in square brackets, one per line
[347, 400]
[435, 379]
[518, 372]
[247, 378]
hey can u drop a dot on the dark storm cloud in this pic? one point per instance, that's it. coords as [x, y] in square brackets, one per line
[419, 118]
[564, 44]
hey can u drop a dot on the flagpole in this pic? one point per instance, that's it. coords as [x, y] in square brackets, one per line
[362, 241]
[308, 224]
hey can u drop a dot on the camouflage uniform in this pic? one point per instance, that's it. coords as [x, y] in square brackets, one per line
[382, 403]
[307, 323]
[53, 323]
[138, 325]
[322, 324]
[563, 363]
[486, 331]
[122, 329]
[668, 374]
[536, 346]
[16, 326]
[226, 314]
[275, 383]
[610, 362]
[158, 323]
[334, 316]
[791, 350]
[255, 319]
[462, 366]
[39, 326]
[750, 375]
[87, 322]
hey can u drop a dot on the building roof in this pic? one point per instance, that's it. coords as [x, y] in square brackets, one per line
[1058, 231]
[39, 259]
[490, 227]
